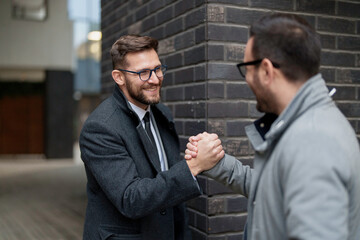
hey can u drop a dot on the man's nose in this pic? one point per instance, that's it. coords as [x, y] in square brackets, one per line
[153, 78]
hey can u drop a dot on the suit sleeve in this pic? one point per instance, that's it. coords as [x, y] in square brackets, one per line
[106, 156]
[232, 173]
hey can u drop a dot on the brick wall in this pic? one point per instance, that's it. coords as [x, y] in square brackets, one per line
[201, 41]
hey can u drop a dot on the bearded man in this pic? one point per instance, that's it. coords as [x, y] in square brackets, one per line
[137, 183]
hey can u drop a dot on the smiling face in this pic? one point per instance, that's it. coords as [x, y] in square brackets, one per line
[137, 91]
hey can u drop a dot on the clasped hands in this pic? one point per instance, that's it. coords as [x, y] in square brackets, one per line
[203, 152]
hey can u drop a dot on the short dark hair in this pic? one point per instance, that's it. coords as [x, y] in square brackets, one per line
[289, 41]
[130, 43]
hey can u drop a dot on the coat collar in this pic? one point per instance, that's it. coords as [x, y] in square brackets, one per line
[164, 123]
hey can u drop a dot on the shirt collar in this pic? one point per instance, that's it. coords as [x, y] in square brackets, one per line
[139, 111]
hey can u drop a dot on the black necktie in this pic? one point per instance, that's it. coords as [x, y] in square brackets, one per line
[148, 129]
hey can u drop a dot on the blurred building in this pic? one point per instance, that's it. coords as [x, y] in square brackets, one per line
[47, 63]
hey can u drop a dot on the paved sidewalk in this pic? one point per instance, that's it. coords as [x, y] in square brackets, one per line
[41, 199]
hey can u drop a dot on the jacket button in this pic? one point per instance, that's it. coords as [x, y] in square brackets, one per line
[163, 212]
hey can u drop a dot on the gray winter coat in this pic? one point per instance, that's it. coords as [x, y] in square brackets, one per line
[306, 178]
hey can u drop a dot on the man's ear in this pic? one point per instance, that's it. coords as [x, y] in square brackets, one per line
[118, 77]
[268, 71]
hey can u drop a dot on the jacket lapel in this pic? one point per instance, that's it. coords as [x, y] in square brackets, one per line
[149, 149]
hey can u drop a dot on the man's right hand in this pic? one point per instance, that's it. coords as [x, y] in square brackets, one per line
[203, 152]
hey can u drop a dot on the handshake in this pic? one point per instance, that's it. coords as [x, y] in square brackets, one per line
[203, 152]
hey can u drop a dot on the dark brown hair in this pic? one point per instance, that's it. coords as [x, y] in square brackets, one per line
[289, 41]
[130, 43]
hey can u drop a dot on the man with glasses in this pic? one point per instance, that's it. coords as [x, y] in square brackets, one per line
[305, 183]
[137, 183]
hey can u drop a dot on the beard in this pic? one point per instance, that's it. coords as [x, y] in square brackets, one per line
[263, 99]
[138, 94]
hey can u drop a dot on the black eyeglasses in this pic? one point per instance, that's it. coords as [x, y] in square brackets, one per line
[242, 66]
[145, 74]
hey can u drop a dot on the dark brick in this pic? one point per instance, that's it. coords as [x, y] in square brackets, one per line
[200, 34]
[200, 73]
[236, 128]
[184, 111]
[216, 205]
[149, 23]
[157, 33]
[349, 43]
[195, 18]
[174, 61]
[155, 5]
[215, 90]
[239, 91]
[194, 127]
[183, 6]
[318, 6]
[228, 33]
[337, 59]
[273, 4]
[348, 75]
[169, 79]
[237, 147]
[175, 94]
[234, 53]
[243, 16]
[195, 92]
[174, 27]
[350, 109]
[236, 204]
[184, 75]
[353, 124]
[215, 188]
[226, 224]
[200, 2]
[195, 55]
[191, 216]
[201, 222]
[165, 15]
[199, 109]
[335, 25]
[199, 203]
[198, 235]
[141, 13]
[328, 41]
[216, 126]
[215, 13]
[215, 52]
[221, 109]
[223, 71]
[253, 112]
[184, 40]
[235, 2]
[179, 126]
[343, 92]
[349, 9]
[328, 74]
[235, 236]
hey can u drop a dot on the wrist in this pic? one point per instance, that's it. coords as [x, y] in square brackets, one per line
[193, 167]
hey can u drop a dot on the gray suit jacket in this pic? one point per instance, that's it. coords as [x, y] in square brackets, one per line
[128, 195]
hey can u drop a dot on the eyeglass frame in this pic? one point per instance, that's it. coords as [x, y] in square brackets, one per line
[255, 62]
[151, 70]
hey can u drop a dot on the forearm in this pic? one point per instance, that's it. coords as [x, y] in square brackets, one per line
[232, 173]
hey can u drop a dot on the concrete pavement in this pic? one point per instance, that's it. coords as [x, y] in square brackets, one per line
[42, 199]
